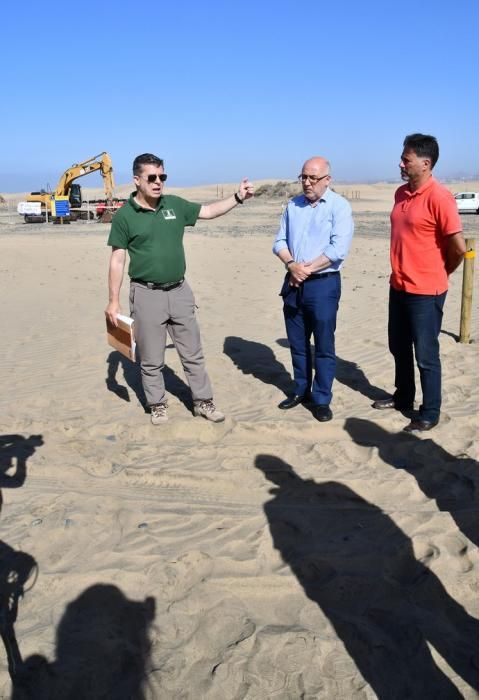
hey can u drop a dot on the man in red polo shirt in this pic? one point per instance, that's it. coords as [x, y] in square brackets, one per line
[426, 246]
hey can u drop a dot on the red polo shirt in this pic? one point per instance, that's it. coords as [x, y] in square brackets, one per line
[420, 224]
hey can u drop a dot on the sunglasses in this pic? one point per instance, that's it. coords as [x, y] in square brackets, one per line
[152, 178]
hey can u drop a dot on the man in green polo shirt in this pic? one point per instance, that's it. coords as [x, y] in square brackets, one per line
[150, 226]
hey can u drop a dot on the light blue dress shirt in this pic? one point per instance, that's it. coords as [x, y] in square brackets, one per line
[310, 231]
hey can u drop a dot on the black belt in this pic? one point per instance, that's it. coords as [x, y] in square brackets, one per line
[164, 286]
[320, 275]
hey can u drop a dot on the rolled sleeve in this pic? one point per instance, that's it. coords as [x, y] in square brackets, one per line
[341, 232]
[281, 240]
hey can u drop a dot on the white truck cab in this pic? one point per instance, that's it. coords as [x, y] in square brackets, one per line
[467, 202]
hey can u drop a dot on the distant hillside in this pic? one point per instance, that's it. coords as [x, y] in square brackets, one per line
[281, 189]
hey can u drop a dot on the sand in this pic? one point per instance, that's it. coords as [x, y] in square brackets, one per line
[266, 557]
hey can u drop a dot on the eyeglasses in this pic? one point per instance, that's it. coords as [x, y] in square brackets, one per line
[152, 178]
[312, 178]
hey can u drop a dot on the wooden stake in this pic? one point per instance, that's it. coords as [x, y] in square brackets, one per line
[467, 283]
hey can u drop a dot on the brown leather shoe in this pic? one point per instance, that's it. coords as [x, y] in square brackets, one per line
[420, 425]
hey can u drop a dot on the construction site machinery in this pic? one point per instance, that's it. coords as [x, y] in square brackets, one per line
[66, 187]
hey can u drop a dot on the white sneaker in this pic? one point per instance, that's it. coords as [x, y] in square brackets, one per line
[158, 413]
[208, 410]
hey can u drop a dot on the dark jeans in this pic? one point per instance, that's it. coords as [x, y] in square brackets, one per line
[415, 322]
[311, 310]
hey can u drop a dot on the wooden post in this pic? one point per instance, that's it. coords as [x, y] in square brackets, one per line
[467, 283]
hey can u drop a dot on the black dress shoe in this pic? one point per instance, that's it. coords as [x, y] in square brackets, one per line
[420, 425]
[382, 404]
[322, 413]
[293, 401]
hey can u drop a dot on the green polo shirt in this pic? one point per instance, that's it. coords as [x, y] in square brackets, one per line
[154, 239]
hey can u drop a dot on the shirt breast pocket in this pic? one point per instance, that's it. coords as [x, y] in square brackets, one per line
[324, 219]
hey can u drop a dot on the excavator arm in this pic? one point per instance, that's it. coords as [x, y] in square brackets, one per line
[65, 188]
[101, 162]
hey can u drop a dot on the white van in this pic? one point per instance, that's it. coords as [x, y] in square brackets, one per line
[467, 202]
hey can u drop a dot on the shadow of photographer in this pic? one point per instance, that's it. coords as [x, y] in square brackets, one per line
[452, 482]
[18, 570]
[102, 650]
[359, 567]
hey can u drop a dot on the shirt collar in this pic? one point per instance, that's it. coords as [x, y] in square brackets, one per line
[429, 183]
[138, 207]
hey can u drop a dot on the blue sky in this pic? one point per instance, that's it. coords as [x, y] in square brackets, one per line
[226, 89]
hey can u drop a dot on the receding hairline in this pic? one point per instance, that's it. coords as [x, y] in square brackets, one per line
[319, 161]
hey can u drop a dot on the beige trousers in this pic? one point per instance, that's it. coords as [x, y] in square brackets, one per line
[156, 313]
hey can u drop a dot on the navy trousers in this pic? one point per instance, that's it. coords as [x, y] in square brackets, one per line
[414, 324]
[311, 310]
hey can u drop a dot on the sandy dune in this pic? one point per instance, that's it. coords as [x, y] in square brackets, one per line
[265, 557]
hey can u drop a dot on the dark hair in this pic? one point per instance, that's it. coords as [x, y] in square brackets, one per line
[145, 159]
[424, 146]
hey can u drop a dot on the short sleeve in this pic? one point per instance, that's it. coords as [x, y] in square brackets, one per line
[118, 237]
[448, 216]
[191, 211]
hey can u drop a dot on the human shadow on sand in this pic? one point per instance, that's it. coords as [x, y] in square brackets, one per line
[257, 359]
[451, 481]
[131, 373]
[18, 570]
[351, 375]
[359, 567]
[18, 574]
[14, 453]
[348, 373]
[102, 651]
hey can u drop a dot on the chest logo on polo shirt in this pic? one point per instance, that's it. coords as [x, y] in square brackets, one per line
[169, 214]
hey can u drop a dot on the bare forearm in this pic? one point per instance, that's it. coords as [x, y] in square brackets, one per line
[455, 251]
[218, 208]
[319, 263]
[223, 206]
[298, 272]
[284, 255]
[453, 262]
[301, 271]
[115, 279]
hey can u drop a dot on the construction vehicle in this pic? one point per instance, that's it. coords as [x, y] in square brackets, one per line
[66, 187]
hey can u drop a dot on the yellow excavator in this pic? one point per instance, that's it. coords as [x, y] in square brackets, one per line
[66, 187]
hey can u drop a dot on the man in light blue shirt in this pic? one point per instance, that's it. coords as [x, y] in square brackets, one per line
[313, 240]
